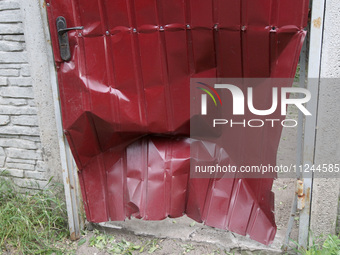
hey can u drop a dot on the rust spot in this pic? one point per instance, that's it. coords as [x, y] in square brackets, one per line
[73, 236]
[71, 187]
[317, 23]
[301, 196]
[44, 5]
[67, 180]
[299, 188]
[301, 202]
[308, 195]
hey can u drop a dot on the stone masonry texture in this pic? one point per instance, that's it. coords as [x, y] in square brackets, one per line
[21, 154]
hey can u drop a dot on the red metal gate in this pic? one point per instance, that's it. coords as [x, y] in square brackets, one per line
[125, 100]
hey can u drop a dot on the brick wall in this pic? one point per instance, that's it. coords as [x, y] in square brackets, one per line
[20, 146]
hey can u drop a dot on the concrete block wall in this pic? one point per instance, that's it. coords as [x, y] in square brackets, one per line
[325, 197]
[21, 153]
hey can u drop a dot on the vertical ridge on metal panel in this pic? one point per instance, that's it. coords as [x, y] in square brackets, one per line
[137, 62]
[243, 28]
[190, 53]
[164, 63]
[216, 35]
[273, 24]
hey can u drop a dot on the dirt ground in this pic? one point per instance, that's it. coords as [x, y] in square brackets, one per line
[152, 245]
[125, 239]
[164, 246]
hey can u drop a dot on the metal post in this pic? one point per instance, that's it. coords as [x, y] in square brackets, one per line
[299, 156]
[69, 169]
[316, 37]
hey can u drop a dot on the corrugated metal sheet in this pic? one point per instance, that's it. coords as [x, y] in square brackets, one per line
[125, 101]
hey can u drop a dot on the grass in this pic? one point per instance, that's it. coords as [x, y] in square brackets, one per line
[37, 224]
[187, 248]
[331, 246]
[31, 223]
[111, 245]
[297, 74]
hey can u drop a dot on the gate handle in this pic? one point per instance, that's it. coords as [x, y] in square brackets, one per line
[64, 30]
[64, 45]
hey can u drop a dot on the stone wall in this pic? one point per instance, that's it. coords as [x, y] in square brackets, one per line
[21, 153]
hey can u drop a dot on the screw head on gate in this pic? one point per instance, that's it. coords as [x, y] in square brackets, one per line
[107, 32]
[188, 26]
[134, 30]
[161, 28]
[80, 34]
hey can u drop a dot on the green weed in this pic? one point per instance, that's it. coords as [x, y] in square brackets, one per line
[31, 223]
[297, 74]
[331, 246]
[113, 246]
[187, 248]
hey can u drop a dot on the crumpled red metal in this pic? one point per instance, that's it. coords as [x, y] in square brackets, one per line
[125, 101]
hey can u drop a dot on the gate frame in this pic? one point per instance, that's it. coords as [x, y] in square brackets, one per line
[310, 128]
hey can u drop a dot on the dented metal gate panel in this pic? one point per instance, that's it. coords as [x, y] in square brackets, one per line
[125, 101]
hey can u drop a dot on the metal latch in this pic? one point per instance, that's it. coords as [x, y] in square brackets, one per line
[301, 196]
[64, 45]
